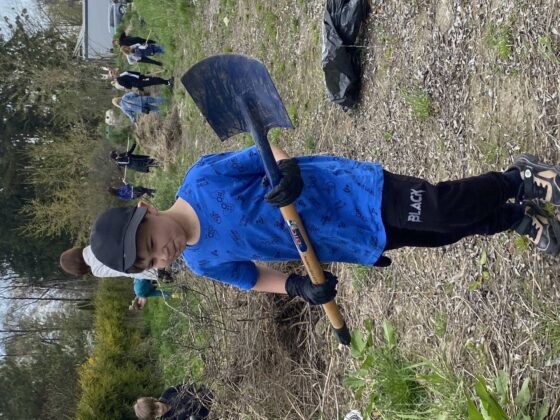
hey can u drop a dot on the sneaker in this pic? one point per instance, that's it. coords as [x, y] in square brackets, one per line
[171, 82]
[540, 181]
[542, 230]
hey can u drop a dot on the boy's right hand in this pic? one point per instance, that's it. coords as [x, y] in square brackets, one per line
[290, 186]
[315, 294]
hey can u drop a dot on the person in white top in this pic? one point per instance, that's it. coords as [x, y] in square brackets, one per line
[80, 261]
[140, 53]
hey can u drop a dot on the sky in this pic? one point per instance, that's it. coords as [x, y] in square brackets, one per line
[11, 8]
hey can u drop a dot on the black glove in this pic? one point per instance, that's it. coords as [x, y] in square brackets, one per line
[315, 294]
[383, 261]
[290, 186]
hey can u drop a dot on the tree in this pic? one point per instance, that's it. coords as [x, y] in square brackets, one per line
[39, 379]
[70, 175]
[43, 80]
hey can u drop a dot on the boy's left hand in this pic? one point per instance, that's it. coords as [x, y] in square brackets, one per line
[315, 294]
[290, 186]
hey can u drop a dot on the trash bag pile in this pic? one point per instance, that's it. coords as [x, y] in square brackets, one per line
[340, 61]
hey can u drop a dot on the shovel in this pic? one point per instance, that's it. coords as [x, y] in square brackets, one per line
[236, 95]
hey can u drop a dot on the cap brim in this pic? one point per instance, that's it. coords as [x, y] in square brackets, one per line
[129, 244]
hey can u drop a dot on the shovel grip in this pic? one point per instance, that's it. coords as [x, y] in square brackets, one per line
[313, 268]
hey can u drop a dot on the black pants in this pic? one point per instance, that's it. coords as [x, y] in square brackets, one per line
[150, 81]
[139, 191]
[417, 213]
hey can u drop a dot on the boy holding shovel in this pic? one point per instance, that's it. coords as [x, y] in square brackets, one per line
[223, 218]
[354, 211]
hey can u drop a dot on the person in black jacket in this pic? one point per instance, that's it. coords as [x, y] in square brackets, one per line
[131, 40]
[133, 79]
[181, 402]
[140, 163]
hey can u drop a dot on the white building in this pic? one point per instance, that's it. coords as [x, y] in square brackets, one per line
[95, 38]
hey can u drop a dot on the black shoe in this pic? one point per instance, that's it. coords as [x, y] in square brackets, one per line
[171, 82]
[542, 229]
[540, 181]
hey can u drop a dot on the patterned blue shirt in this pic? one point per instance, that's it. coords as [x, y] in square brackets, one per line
[125, 192]
[340, 207]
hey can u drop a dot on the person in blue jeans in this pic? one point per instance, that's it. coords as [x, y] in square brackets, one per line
[223, 218]
[133, 104]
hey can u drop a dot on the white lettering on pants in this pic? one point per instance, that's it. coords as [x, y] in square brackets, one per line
[416, 204]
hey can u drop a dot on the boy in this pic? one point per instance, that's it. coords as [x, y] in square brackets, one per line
[222, 219]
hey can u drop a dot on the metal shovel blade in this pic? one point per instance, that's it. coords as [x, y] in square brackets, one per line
[234, 92]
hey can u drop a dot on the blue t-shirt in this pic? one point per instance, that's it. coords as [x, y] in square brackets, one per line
[125, 192]
[144, 288]
[340, 206]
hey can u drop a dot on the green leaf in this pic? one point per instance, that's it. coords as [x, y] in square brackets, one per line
[371, 405]
[357, 343]
[359, 391]
[489, 403]
[501, 383]
[353, 383]
[474, 285]
[367, 363]
[368, 325]
[485, 276]
[523, 396]
[543, 410]
[472, 411]
[389, 333]
[483, 258]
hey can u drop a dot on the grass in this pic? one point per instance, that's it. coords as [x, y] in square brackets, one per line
[179, 358]
[499, 37]
[392, 384]
[360, 275]
[547, 50]
[419, 103]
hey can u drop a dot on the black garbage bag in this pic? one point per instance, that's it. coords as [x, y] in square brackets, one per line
[340, 63]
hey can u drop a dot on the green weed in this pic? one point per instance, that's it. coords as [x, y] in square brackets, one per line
[547, 50]
[315, 35]
[440, 324]
[387, 135]
[294, 25]
[310, 144]
[293, 114]
[270, 22]
[274, 134]
[177, 359]
[247, 140]
[492, 151]
[492, 404]
[521, 243]
[394, 385]
[419, 103]
[484, 274]
[499, 37]
[360, 275]
[549, 329]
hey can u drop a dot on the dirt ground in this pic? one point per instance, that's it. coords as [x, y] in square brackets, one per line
[488, 101]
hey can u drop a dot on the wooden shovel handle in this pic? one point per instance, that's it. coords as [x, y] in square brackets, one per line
[314, 270]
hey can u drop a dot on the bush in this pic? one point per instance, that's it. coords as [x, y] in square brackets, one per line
[120, 369]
